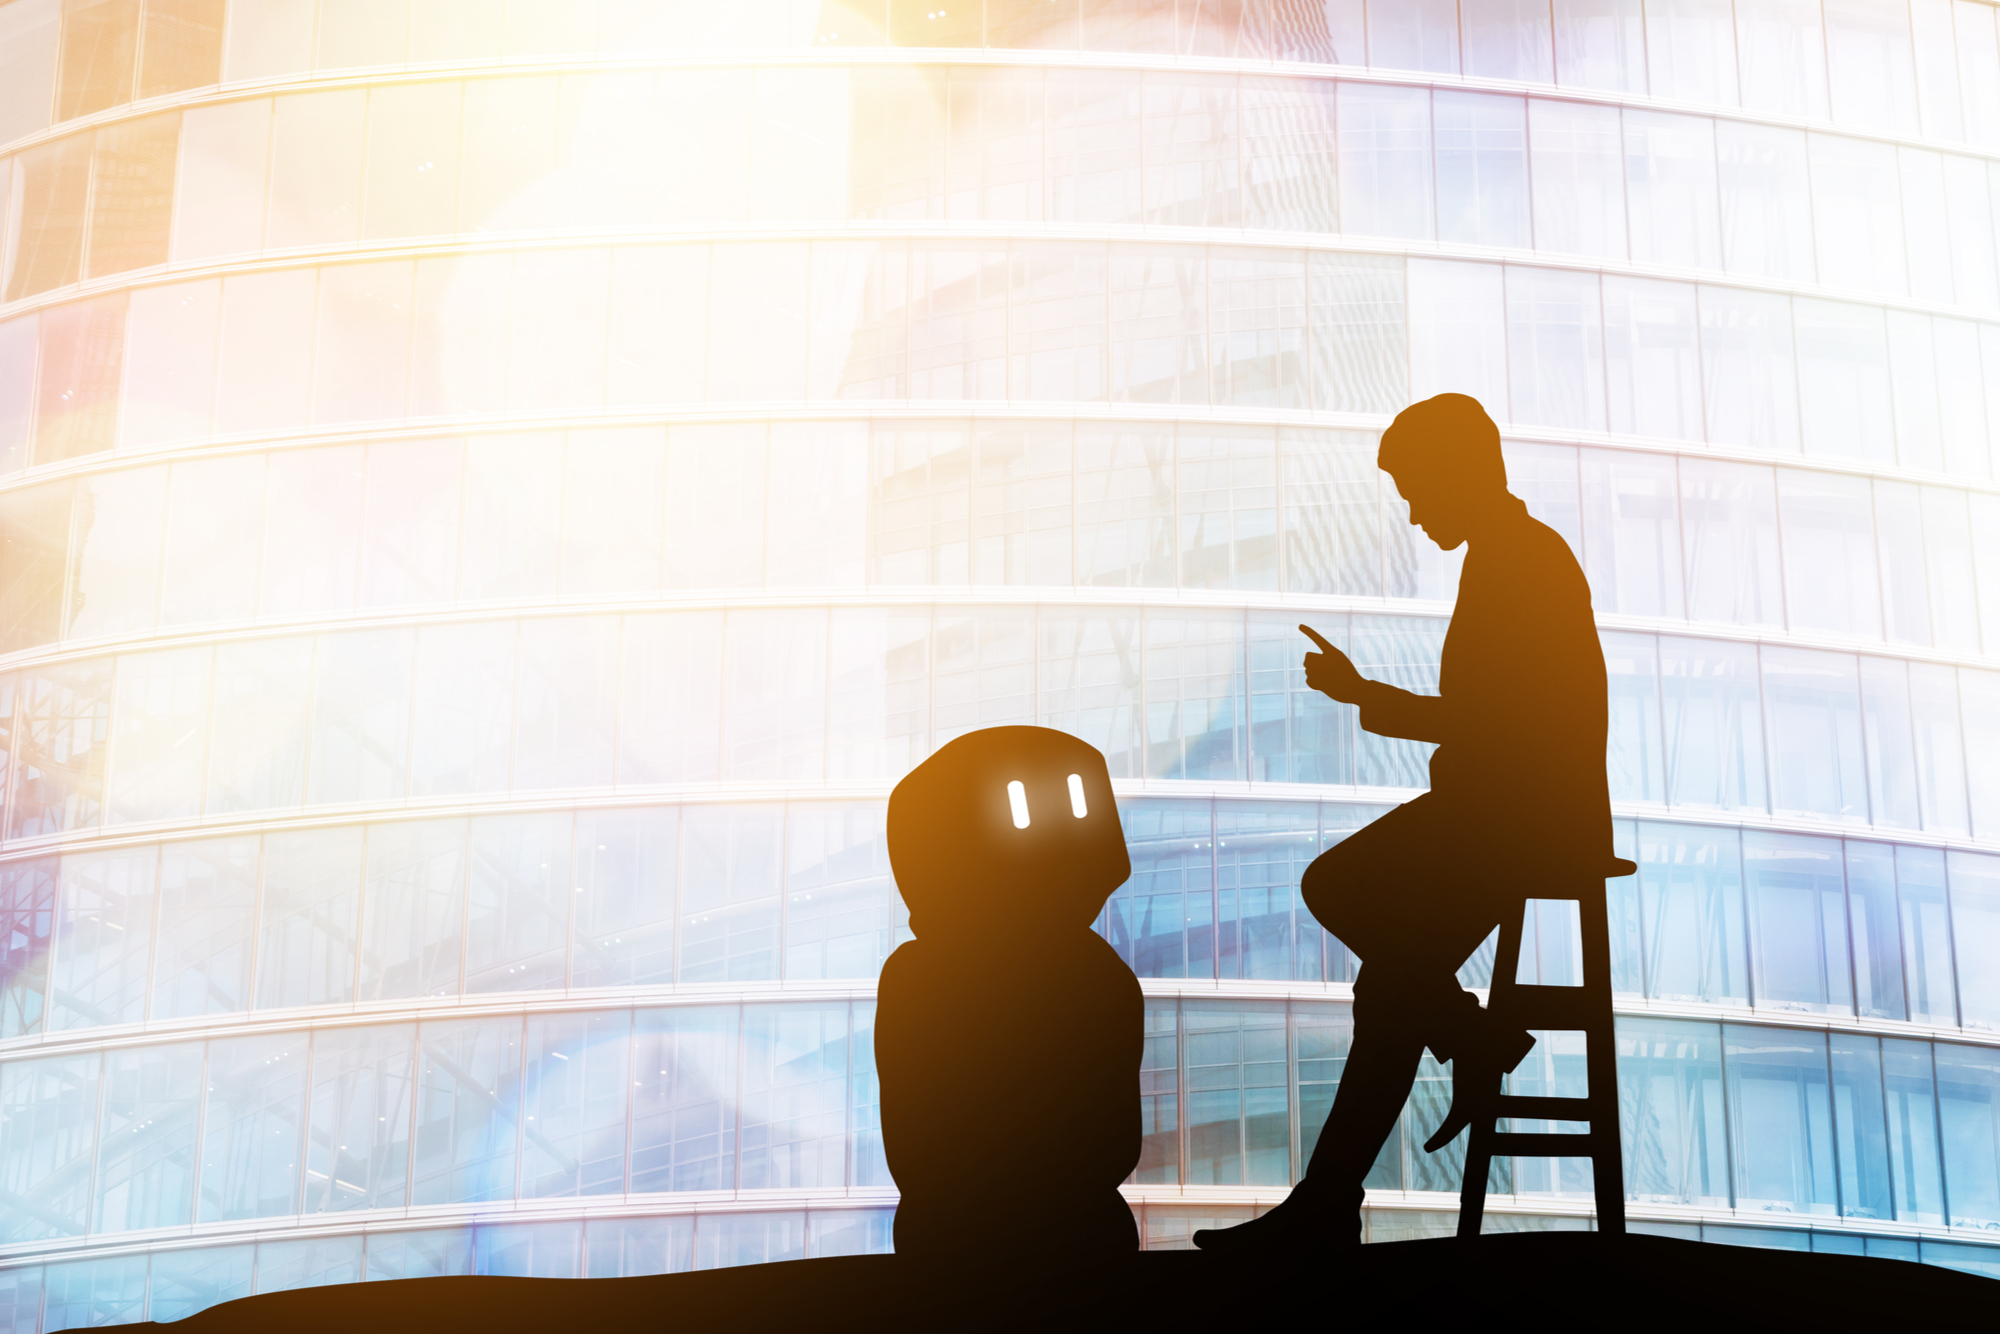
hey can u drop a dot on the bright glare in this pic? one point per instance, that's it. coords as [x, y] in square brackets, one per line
[1076, 803]
[1017, 798]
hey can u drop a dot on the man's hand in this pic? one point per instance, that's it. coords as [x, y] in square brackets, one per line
[1332, 673]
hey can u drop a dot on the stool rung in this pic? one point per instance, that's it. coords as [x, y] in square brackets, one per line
[1539, 1106]
[1540, 1007]
[1542, 1144]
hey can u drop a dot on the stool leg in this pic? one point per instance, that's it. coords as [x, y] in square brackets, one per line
[1479, 1144]
[1601, 1066]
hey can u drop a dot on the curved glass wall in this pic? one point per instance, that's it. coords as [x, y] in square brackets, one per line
[478, 553]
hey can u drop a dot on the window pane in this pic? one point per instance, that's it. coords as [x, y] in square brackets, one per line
[48, 244]
[1889, 742]
[1748, 373]
[1947, 539]
[362, 359]
[1332, 520]
[463, 700]
[132, 194]
[1022, 515]
[415, 914]
[1296, 733]
[1227, 504]
[684, 1099]
[104, 931]
[575, 1074]
[1830, 578]
[1403, 651]
[1939, 760]
[170, 335]
[312, 895]
[513, 516]
[613, 501]
[1158, 333]
[1975, 929]
[957, 315]
[207, 901]
[357, 1143]
[615, 1248]
[1715, 734]
[1856, 212]
[145, 1156]
[1670, 1112]
[659, 298]
[468, 1111]
[225, 153]
[1555, 347]
[757, 334]
[1798, 922]
[1412, 36]
[1161, 921]
[1653, 357]
[625, 877]
[1458, 333]
[83, 345]
[776, 668]
[160, 711]
[518, 911]
[266, 357]
[1766, 210]
[794, 1096]
[1926, 935]
[1262, 851]
[1507, 39]
[186, 1282]
[49, 1111]
[1862, 1144]
[1579, 202]
[29, 77]
[259, 724]
[1899, 538]
[1289, 149]
[1670, 188]
[842, 912]
[1385, 159]
[510, 154]
[1783, 1119]
[1691, 904]
[566, 703]
[715, 510]
[1914, 1163]
[1969, 215]
[1814, 701]
[1194, 705]
[670, 726]
[253, 1127]
[1600, 44]
[1360, 332]
[1729, 521]
[409, 543]
[1969, 1107]
[556, 354]
[730, 874]
[308, 1262]
[360, 727]
[1125, 508]
[1258, 327]
[412, 185]
[99, 1292]
[65, 728]
[1638, 768]
[1056, 319]
[18, 341]
[1784, 59]
[1844, 380]
[1090, 682]
[313, 509]
[1239, 1126]
[1871, 909]
[211, 565]
[1871, 64]
[1482, 163]
[27, 916]
[1631, 532]
[1190, 136]
[1963, 416]
[316, 168]
[1926, 224]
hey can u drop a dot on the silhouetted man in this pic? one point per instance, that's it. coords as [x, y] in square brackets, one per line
[1518, 797]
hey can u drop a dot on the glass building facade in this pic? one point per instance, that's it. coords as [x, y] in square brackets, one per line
[441, 444]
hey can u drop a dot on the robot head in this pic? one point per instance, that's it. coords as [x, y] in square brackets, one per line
[1006, 826]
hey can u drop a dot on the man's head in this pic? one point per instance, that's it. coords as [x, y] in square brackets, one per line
[1005, 831]
[1444, 455]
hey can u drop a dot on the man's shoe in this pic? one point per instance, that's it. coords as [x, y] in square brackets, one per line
[1287, 1227]
[1475, 1080]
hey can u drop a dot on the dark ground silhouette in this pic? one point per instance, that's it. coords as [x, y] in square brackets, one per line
[1514, 1281]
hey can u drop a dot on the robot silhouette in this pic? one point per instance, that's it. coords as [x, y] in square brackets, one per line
[1009, 1034]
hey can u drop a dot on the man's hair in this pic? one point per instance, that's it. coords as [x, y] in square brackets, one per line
[1449, 432]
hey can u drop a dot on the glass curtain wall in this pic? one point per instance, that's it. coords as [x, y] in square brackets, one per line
[489, 509]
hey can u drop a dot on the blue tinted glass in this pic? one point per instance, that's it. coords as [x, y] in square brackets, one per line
[574, 1079]
[253, 1127]
[1482, 169]
[1968, 1085]
[1159, 1096]
[1975, 931]
[1691, 907]
[468, 1111]
[312, 898]
[842, 913]
[748, 1239]
[794, 1110]
[1295, 733]
[358, 1135]
[1262, 849]
[1814, 704]
[541, 1251]
[1670, 1112]
[1861, 1133]
[105, 1292]
[684, 1099]
[731, 879]
[414, 914]
[517, 914]
[1714, 732]
[185, 1282]
[1638, 770]
[1926, 935]
[208, 901]
[1796, 893]
[1958, 1256]
[1194, 697]
[1621, 894]
[1914, 1165]
[21, 1297]
[308, 1262]
[1161, 921]
[1405, 652]
[48, 1121]
[1871, 915]
[27, 912]
[104, 930]
[145, 1159]
[850, 1232]
[1239, 1119]
[615, 1248]
[1321, 1033]
[420, 1254]
[1782, 1119]
[625, 864]
[869, 1167]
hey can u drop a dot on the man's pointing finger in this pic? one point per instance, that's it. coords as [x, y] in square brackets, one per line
[1319, 640]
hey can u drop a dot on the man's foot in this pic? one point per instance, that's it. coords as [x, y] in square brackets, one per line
[1475, 1080]
[1290, 1226]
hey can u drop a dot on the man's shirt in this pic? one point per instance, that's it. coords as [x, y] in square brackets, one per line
[1521, 714]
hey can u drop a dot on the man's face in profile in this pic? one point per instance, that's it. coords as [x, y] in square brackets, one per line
[1439, 506]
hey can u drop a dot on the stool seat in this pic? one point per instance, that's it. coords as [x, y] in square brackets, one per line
[1517, 1006]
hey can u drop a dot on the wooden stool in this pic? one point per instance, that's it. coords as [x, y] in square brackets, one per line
[1535, 1007]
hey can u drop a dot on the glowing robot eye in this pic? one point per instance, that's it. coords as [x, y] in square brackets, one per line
[1017, 798]
[1076, 803]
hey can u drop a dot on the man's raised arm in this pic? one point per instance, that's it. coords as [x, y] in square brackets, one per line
[1388, 711]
